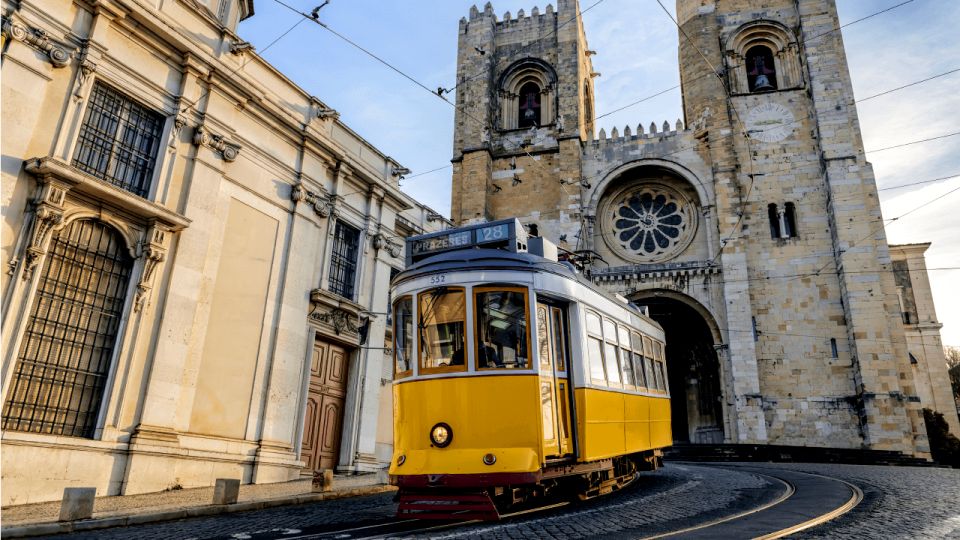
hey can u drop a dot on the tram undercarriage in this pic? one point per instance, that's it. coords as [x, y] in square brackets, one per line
[488, 497]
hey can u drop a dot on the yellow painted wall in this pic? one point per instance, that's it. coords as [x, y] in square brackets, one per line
[230, 351]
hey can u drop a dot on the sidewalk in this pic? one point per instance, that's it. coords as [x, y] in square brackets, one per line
[118, 511]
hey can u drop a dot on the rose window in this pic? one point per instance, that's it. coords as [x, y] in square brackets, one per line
[650, 222]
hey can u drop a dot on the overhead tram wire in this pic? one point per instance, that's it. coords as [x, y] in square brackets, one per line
[369, 53]
[239, 68]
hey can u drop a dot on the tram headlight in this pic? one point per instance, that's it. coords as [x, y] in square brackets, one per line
[441, 435]
[401, 460]
[489, 459]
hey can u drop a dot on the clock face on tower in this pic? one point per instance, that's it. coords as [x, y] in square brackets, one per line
[770, 122]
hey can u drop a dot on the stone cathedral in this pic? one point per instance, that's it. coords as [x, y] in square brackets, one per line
[750, 228]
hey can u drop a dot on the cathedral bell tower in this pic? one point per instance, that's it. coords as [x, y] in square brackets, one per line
[768, 91]
[524, 101]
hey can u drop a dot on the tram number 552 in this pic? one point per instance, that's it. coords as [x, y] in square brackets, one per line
[438, 279]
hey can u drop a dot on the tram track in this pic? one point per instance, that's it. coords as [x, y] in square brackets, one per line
[805, 500]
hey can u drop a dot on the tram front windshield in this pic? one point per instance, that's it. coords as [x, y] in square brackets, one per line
[500, 317]
[501, 330]
[442, 315]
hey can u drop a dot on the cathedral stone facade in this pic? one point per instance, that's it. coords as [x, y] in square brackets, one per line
[751, 228]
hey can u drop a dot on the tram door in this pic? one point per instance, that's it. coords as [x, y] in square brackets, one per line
[554, 390]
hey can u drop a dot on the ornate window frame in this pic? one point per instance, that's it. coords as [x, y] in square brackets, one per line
[782, 43]
[508, 90]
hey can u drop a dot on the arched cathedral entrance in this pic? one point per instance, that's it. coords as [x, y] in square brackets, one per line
[693, 370]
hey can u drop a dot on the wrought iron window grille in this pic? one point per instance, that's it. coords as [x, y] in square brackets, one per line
[118, 141]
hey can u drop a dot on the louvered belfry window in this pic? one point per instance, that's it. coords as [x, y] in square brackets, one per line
[118, 141]
[61, 371]
[343, 264]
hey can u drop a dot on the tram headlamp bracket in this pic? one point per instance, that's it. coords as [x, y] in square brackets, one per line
[441, 435]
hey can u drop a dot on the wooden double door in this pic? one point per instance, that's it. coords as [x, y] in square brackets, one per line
[323, 417]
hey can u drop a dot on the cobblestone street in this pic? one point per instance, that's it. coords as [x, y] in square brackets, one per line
[899, 502]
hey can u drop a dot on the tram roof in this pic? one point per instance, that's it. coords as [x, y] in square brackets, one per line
[499, 259]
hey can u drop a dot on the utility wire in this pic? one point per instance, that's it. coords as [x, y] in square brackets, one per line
[921, 182]
[937, 76]
[886, 222]
[795, 122]
[246, 60]
[913, 142]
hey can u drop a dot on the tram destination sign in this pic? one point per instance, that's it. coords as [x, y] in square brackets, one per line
[506, 234]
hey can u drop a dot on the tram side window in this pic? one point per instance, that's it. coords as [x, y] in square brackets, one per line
[403, 336]
[648, 363]
[660, 367]
[502, 336]
[442, 319]
[610, 353]
[595, 348]
[637, 342]
[626, 365]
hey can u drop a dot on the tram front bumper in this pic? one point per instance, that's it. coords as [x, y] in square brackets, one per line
[467, 462]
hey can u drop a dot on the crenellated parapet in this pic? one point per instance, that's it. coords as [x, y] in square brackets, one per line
[632, 142]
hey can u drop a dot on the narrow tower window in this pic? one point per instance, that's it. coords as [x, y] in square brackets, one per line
[761, 71]
[774, 217]
[529, 105]
[789, 221]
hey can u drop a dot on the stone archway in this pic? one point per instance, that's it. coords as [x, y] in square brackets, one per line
[693, 367]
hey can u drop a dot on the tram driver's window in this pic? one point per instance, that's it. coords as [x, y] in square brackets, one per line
[403, 336]
[501, 331]
[442, 315]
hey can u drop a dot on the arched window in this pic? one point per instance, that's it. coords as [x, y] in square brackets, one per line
[61, 371]
[774, 216]
[527, 92]
[761, 69]
[763, 56]
[529, 105]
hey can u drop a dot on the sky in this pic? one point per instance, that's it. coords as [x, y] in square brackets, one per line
[637, 57]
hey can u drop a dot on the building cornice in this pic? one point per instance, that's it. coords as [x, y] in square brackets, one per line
[103, 191]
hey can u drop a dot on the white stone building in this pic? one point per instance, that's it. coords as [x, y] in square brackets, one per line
[192, 246]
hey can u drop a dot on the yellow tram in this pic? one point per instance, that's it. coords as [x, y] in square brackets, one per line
[516, 378]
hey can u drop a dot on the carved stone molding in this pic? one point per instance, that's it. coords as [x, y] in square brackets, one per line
[340, 319]
[37, 38]
[227, 149]
[84, 70]
[154, 253]
[335, 316]
[239, 47]
[48, 213]
[178, 122]
[380, 241]
[321, 111]
[322, 203]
